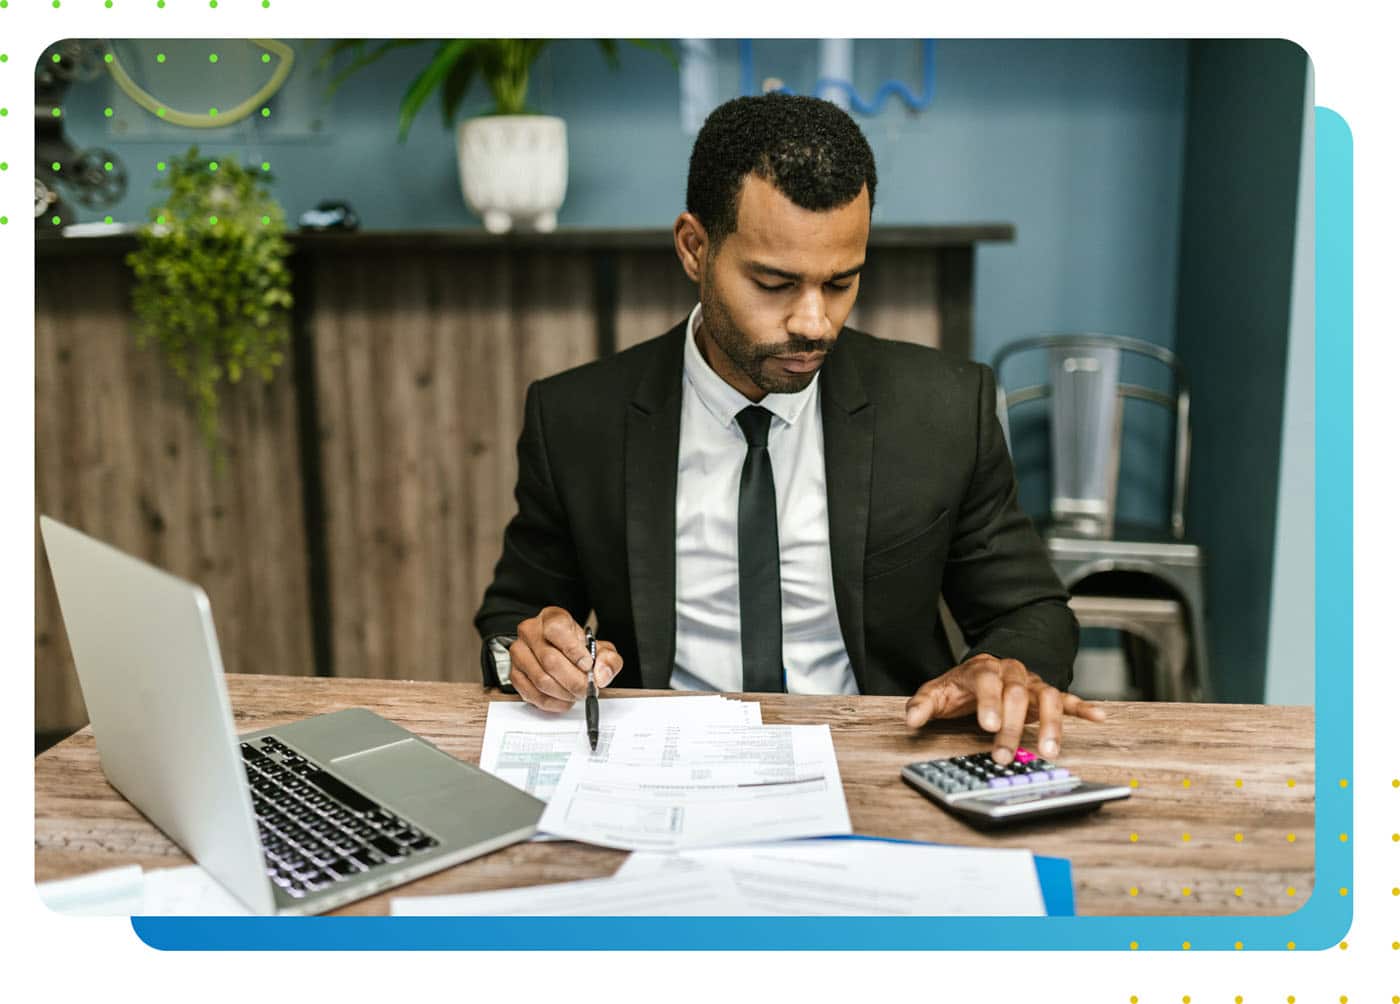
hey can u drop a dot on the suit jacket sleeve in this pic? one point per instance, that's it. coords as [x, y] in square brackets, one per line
[539, 564]
[998, 582]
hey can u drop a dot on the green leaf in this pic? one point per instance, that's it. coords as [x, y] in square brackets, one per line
[362, 60]
[429, 80]
[455, 88]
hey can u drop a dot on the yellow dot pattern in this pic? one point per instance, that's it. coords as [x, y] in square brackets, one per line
[1186, 782]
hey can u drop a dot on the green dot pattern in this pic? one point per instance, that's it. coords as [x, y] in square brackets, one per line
[266, 166]
[160, 57]
[56, 166]
[160, 165]
[267, 57]
[58, 113]
[213, 57]
[266, 112]
[107, 112]
[213, 220]
[106, 219]
[107, 166]
[57, 219]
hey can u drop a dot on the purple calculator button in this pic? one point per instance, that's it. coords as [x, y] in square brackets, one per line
[1059, 772]
[999, 782]
[1039, 775]
[1019, 779]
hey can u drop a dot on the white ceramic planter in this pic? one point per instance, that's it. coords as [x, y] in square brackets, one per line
[514, 169]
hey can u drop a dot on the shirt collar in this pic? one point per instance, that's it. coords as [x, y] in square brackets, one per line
[723, 401]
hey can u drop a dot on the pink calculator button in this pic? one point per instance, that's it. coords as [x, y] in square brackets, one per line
[1024, 757]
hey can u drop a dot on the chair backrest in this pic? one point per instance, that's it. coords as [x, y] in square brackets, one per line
[1086, 394]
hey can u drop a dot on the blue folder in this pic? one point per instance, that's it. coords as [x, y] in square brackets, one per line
[1056, 885]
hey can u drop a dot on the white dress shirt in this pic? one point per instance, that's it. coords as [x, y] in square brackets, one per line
[712, 452]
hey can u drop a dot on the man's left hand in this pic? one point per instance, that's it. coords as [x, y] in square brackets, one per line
[1003, 692]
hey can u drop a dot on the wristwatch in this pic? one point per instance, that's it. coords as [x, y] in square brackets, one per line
[495, 661]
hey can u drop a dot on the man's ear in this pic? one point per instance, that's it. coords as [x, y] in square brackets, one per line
[692, 245]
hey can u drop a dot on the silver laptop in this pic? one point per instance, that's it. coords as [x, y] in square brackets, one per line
[295, 819]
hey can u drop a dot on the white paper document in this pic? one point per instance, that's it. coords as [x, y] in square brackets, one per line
[683, 894]
[185, 891]
[860, 878]
[677, 786]
[528, 748]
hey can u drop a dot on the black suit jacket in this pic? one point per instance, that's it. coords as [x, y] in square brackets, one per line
[921, 499]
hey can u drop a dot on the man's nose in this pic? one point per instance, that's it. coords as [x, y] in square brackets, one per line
[808, 318]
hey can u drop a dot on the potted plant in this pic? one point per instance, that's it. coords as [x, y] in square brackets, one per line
[212, 286]
[512, 161]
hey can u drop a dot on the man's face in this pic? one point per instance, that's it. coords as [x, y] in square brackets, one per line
[775, 295]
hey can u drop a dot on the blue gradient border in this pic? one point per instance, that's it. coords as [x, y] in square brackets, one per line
[1320, 923]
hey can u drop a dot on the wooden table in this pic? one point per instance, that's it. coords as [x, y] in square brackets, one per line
[1223, 799]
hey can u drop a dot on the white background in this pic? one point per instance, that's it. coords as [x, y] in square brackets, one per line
[1354, 60]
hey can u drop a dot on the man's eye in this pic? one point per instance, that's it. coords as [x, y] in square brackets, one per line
[839, 286]
[774, 289]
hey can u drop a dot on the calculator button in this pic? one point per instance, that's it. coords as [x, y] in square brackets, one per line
[1059, 772]
[1020, 779]
[999, 782]
[1040, 775]
[1024, 756]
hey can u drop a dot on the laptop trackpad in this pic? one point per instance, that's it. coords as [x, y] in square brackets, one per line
[414, 775]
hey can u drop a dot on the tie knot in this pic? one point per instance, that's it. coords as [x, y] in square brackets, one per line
[754, 420]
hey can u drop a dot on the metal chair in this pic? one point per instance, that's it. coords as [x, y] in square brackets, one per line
[1107, 565]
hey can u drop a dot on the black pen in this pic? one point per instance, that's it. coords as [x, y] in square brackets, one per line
[590, 703]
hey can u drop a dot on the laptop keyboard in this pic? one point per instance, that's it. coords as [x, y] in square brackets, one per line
[315, 829]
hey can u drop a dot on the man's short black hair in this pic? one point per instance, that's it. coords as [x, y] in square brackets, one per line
[809, 149]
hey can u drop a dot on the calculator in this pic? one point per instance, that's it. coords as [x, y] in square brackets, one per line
[984, 793]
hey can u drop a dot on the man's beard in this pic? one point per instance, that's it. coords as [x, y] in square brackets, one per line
[748, 358]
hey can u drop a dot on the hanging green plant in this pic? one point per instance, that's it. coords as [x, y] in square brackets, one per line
[213, 290]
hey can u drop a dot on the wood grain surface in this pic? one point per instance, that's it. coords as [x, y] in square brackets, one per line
[117, 455]
[1249, 768]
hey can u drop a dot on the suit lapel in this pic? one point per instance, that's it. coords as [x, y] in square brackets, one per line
[652, 451]
[848, 432]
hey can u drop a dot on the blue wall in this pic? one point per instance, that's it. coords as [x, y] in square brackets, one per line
[1078, 143]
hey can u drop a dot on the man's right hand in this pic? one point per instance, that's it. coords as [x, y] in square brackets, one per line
[549, 661]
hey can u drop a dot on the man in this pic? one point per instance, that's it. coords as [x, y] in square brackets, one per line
[762, 499]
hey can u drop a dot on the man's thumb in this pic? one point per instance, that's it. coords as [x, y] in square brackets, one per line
[921, 708]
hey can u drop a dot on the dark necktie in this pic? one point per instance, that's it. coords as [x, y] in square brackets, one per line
[760, 584]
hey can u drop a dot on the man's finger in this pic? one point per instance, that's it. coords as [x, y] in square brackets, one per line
[563, 632]
[529, 660]
[1014, 700]
[1051, 712]
[919, 708]
[987, 687]
[531, 694]
[568, 677]
[1080, 708]
[609, 664]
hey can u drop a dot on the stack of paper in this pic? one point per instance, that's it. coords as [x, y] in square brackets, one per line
[803, 877]
[669, 773]
[528, 747]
